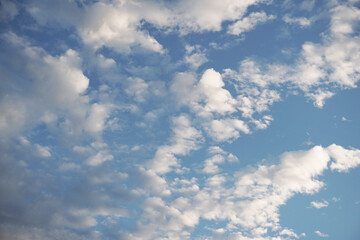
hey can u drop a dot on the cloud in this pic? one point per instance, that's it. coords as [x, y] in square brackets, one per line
[320, 234]
[302, 21]
[226, 129]
[247, 202]
[344, 159]
[194, 56]
[320, 71]
[98, 114]
[319, 204]
[46, 88]
[202, 16]
[319, 97]
[43, 151]
[219, 157]
[137, 88]
[248, 23]
[185, 139]
[118, 25]
[99, 158]
[288, 232]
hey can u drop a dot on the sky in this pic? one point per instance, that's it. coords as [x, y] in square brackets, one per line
[179, 119]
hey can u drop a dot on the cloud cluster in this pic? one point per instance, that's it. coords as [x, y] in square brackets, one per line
[118, 24]
[321, 69]
[65, 177]
[248, 202]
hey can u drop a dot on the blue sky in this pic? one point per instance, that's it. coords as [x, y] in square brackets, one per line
[192, 119]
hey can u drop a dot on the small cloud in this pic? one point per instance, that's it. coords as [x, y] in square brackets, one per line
[99, 158]
[302, 21]
[42, 151]
[248, 23]
[319, 204]
[320, 234]
[289, 232]
[195, 56]
[345, 119]
[335, 199]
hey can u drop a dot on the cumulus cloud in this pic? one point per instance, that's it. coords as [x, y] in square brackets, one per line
[249, 203]
[344, 159]
[118, 24]
[213, 103]
[47, 84]
[320, 71]
[47, 94]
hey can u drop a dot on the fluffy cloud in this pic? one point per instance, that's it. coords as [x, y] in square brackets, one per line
[213, 104]
[344, 159]
[248, 202]
[118, 24]
[219, 156]
[226, 129]
[195, 57]
[44, 84]
[320, 71]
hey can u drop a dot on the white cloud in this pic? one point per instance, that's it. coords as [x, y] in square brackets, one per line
[226, 129]
[185, 139]
[99, 158]
[344, 159]
[137, 88]
[320, 234]
[248, 23]
[194, 56]
[208, 15]
[115, 25]
[288, 232]
[219, 156]
[214, 104]
[55, 89]
[98, 114]
[249, 200]
[43, 151]
[302, 21]
[319, 97]
[217, 99]
[154, 182]
[318, 205]
[118, 24]
[320, 71]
